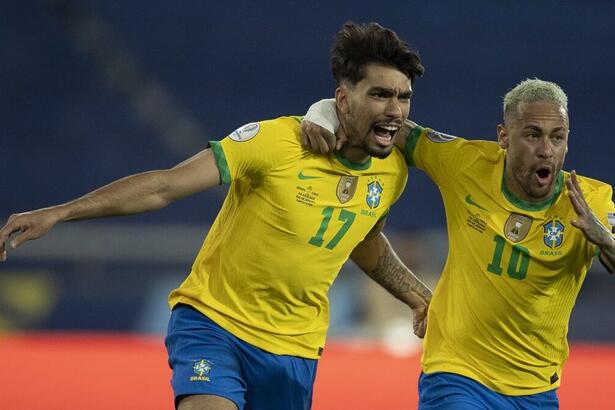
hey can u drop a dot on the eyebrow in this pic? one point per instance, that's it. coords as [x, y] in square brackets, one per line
[536, 128]
[391, 91]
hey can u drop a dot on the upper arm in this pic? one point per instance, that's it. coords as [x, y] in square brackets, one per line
[193, 175]
[367, 252]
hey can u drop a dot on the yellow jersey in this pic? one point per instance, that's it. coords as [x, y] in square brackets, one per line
[289, 222]
[501, 308]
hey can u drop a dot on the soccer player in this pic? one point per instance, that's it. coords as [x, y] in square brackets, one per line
[249, 322]
[522, 236]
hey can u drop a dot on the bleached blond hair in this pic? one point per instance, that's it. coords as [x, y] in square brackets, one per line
[533, 90]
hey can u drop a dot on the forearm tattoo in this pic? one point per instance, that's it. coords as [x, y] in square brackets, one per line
[393, 275]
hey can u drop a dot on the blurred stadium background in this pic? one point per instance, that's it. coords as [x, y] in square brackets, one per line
[93, 91]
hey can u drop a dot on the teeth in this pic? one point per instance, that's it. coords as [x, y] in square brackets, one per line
[389, 127]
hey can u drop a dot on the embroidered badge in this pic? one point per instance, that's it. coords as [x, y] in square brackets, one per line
[517, 227]
[374, 191]
[201, 369]
[346, 188]
[439, 137]
[245, 133]
[553, 233]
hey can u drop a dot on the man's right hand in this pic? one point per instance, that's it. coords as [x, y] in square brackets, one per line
[320, 129]
[320, 140]
[31, 225]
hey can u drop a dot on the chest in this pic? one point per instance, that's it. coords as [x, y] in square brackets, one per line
[321, 203]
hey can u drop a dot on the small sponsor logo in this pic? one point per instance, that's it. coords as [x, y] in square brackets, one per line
[553, 233]
[303, 176]
[246, 132]
[470, 201]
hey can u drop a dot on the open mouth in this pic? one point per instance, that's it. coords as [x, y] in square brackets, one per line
[544, 175]
[385, 133]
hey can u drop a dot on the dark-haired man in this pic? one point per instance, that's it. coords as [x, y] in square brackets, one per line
[522, 236]
[249, 322]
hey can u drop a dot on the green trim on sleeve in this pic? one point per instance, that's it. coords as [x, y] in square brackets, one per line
[225, 173]
[411, 142]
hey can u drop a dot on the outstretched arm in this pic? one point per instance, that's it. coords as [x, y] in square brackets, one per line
[137, 193]
[378, 260]
[592, 228]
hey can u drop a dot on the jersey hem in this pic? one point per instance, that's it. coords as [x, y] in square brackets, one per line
[244, 336]
[488, 384]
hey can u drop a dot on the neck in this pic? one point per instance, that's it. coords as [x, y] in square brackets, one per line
[353, 153]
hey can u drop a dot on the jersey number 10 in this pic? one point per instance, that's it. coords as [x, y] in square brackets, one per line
[517, 264]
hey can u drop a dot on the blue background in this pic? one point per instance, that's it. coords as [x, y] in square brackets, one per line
[74, 117]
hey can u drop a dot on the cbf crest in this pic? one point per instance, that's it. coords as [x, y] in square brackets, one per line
[553, 233]
[200, 369]
[346, 188]
[374, 192]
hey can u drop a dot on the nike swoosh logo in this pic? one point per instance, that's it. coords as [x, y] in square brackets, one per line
[302, 176]
[470, 201]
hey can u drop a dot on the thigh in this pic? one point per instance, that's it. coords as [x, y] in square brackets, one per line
[205, 402]
[204, 359]
[278, 382]
[447, 391]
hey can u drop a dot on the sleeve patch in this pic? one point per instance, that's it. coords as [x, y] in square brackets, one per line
[436, 136]
[246, 132]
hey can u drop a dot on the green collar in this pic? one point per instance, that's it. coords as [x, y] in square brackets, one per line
[352, 165]
[533, 206]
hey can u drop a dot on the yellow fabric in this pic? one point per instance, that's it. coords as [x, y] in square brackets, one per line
[501, 318]
[280, 238]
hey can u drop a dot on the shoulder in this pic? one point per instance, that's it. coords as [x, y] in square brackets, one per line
[593, 188]
[439, 141]
[281, 126]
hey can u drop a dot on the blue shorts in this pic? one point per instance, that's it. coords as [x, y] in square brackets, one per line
[206, 359]
[448, 391]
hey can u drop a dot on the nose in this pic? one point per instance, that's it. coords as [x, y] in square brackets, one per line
[393, 108]
[545, 148]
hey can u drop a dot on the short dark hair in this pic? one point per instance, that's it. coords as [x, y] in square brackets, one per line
[358, 45]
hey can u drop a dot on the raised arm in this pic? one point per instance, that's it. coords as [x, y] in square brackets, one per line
[592, 228]
[375, 256]
[133, 194]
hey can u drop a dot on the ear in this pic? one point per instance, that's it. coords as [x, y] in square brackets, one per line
[502, 136]
[342, 99]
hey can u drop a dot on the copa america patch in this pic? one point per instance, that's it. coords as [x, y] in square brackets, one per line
[436, 136]
[245, 133]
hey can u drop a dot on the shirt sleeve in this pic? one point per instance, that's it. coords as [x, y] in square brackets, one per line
[252, 150]
[440, 155]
